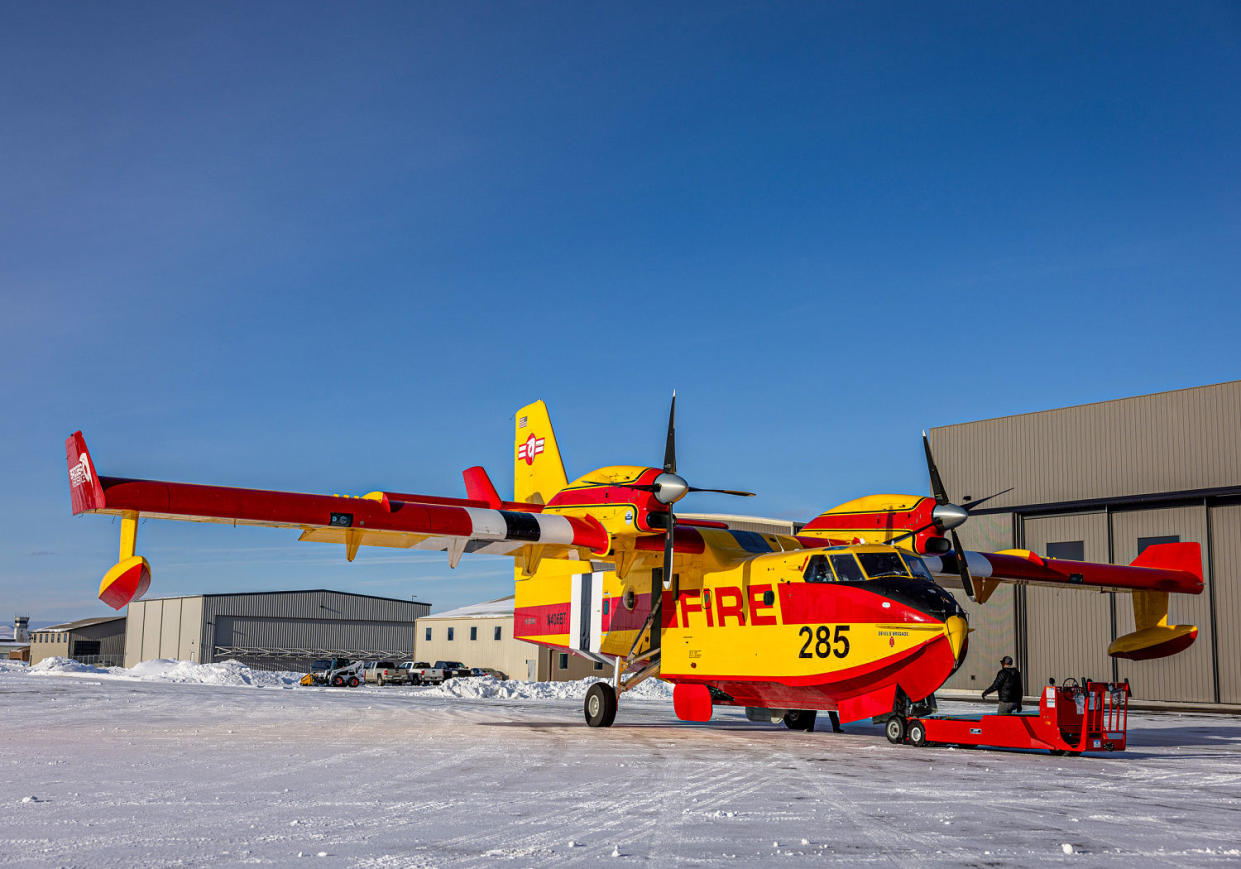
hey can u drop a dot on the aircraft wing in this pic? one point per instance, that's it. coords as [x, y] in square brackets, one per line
[1157, 571]
[377, 519]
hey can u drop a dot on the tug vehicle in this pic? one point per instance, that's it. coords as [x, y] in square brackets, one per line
[1071, 718]
[848, 616]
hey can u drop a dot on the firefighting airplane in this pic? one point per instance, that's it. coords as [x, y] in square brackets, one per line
[846, 616]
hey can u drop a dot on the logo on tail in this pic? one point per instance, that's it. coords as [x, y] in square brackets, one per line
[531, 448]
[80, 474]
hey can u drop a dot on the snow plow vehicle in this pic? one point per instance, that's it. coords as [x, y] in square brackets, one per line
[334, 672]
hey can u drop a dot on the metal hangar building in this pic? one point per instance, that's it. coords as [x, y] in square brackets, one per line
[277, 630]
[1099, 482]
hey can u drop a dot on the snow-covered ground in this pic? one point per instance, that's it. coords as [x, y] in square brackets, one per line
[182, 764]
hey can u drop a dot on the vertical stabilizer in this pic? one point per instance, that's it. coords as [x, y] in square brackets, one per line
[538, 472]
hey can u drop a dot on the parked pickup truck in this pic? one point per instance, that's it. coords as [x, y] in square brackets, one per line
[422, 673]
[384, 673]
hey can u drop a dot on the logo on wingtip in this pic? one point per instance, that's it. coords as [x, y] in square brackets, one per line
[531, 448]
[80, 474]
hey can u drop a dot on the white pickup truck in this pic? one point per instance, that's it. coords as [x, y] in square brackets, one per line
[384, 673]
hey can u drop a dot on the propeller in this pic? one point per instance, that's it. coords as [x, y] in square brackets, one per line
[946, 516]
[668, 488]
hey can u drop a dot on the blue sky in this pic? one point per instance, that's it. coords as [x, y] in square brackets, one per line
[332, 248]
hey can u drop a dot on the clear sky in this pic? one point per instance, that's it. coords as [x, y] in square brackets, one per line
[333, 248]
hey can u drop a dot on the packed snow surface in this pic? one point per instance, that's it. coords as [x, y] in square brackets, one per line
[171, 763]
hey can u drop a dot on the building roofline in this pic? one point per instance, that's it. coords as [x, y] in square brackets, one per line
[1085, 404]
[80, 623]
[285, 591]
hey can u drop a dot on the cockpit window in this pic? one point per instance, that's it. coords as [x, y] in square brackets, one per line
[846, 568]
[818, 570]
[917, 566]
[877, 564]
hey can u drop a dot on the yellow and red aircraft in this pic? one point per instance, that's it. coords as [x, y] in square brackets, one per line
[845, 616]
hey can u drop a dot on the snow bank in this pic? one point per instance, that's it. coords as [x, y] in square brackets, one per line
[488, 687]
[165, 670]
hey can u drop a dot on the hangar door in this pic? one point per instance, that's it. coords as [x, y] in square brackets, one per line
[257, 637]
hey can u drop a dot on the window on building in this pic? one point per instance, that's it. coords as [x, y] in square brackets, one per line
[1072, 550]
[473, 632]
[564, 661]
[428, 635]
[450, 635]
[86, 647]
[1144, 542]
[497, 636]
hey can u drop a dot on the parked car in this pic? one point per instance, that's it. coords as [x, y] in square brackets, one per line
[384, 673]
[487, 671]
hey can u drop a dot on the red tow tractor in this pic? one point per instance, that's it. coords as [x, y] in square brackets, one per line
[1071, 718]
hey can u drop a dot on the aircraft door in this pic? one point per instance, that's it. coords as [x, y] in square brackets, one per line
[586, 612]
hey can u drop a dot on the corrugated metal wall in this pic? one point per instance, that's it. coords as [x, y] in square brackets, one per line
[1068, 630]
[1159, 446]
[1226, 575]
[190, 628]
[1166, 442]
[1188, 675]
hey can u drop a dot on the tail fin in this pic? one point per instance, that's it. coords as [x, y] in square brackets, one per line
[85, 491]
[1154, 637]
[538, 472]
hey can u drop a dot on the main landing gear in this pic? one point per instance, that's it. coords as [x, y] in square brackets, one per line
[800, 719]
[603, 698]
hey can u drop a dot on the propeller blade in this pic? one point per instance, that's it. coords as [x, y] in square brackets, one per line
[724, 492]
[962, 567]
[670, 448]
[937, 485]
[970, 505]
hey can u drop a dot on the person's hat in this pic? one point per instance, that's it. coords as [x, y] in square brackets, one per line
[1006, 660]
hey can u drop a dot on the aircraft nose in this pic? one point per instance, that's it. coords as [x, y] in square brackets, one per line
[958, 634]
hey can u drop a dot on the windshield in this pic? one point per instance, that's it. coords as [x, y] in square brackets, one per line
[917, 566]
[877, 564]
[846, 568]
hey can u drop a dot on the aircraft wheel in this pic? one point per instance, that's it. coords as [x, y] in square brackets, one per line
[916, 733]
[600, 705]
[800, 719]
[894, 730]
[353, 681]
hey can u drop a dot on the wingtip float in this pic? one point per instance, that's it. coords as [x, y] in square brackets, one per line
[846, 616]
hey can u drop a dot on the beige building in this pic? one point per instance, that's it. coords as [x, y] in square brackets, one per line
[1099, 482]
[98, 641]
[481, 635]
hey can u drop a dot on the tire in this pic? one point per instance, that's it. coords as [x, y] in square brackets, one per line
[380, 681]
[916, 733]
[338, 681]
[894, 730]
[600, 705]
[353, 682]
[800, 719]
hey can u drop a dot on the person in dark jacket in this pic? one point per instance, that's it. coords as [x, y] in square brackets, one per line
[1007, 686]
